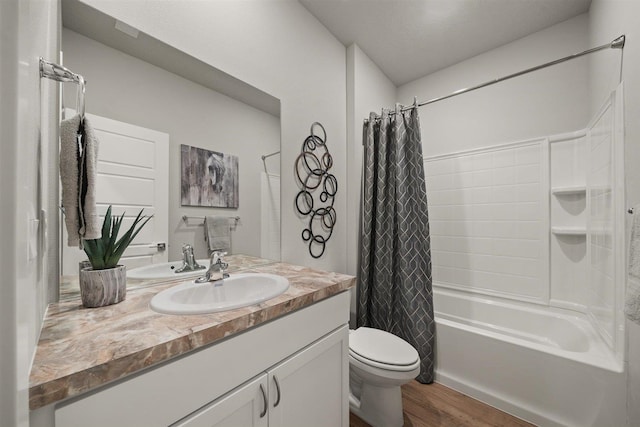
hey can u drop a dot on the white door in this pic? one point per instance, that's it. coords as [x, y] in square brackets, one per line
[133, 174]
[245, 406]
[311, 388]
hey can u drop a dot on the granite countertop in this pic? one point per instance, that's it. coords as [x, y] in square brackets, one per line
[81, 349]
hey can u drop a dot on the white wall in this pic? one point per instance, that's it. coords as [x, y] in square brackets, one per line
[368, 89]
[9, 392]
[280, 48]
[192, 115]
[607, 20]
[28, 30]
[550, 101]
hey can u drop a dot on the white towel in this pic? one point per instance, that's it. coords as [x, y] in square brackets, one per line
[632, 299]
[81, 217]
[217, 233]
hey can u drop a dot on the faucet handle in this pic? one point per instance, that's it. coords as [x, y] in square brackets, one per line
[221, 263]
[216, 257]
[223, 266]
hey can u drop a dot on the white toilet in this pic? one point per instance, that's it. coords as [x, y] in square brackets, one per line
[379, 363]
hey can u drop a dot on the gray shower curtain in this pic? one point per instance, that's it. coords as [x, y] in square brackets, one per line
[394, 272]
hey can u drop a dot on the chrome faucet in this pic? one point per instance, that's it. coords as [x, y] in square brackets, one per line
[216, 263]
[189, 262]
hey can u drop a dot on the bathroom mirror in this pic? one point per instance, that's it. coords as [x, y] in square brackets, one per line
[135, 81]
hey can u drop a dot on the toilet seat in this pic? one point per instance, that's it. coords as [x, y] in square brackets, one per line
[382, 350]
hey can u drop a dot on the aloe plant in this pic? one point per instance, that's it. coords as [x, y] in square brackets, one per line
[106, 251]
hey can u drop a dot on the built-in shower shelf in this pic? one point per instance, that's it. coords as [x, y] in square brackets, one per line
[569, 231]
[602, 230]
[568, 190]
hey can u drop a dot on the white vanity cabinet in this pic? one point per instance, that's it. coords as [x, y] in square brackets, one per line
[303, 390]
[246, 405]
[307, 389]
[300, 360]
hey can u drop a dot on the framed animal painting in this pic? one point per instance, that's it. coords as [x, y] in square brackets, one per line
[208, 178]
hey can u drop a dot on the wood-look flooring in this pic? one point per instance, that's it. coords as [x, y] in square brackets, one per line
[434, 405]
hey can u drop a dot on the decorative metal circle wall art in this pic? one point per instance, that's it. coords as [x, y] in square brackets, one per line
[318, 189]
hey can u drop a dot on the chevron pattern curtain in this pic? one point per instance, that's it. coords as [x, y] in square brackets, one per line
[394, 273]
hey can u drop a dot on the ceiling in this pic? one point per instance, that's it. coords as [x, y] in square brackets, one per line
[83, 19]
[409, 39]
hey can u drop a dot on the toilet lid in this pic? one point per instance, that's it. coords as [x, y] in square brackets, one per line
[382, 347]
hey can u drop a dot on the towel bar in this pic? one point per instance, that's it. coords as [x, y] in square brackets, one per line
[53, 71]
[186, 218]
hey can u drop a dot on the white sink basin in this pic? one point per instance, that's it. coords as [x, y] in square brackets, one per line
[239, 290]
[165, 270]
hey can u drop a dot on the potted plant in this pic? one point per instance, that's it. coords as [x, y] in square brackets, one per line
[105, 282]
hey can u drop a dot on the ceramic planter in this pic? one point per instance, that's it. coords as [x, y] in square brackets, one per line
[103, 287]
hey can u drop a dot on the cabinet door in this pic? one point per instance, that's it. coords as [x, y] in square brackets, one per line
[244, 406]
[311, 387]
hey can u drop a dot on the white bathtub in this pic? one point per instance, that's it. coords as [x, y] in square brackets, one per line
[547, 367]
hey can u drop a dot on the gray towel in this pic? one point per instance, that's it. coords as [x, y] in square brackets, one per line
[78, 166]
[92, 225]
[632, 299]
[217, 233]
[69, 176]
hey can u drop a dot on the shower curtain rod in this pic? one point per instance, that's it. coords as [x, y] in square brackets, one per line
[618, 43]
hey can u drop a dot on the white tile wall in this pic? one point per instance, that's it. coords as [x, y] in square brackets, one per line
[488, 212]
[491, 211]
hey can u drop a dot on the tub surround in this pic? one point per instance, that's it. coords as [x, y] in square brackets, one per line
[81, 349]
